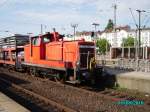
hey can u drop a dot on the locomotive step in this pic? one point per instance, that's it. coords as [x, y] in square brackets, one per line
[73, 82]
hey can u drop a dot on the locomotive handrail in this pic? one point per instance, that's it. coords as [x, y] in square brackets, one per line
[92, 61]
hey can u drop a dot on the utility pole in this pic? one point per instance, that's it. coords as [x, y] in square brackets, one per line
[139, 29]
[74, 26]
[43, 26]
[115, 24]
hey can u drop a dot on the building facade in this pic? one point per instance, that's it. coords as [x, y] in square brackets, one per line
[125, 33]
[115, 39]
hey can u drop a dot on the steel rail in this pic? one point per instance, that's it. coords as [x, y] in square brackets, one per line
[37, 96]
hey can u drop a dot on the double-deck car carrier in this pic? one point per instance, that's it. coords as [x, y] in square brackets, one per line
[12, 50]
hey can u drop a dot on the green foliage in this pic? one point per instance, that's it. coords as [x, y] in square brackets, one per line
[103, 45]
[128, 42]
[110, 25]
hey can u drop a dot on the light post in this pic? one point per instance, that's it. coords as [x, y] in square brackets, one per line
[42, 26]
[74, 26]
[95, 26]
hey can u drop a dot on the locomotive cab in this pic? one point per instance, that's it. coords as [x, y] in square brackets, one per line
[87, 69]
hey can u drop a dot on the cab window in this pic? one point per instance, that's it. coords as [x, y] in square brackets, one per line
[35, 41]
[46, 39]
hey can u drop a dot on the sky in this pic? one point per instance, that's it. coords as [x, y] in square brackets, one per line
[26, 16]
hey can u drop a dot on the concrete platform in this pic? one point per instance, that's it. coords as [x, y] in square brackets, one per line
[131, 80]
[8, 105]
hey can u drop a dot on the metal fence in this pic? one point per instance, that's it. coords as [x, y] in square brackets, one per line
[132, 64]
[127, 64]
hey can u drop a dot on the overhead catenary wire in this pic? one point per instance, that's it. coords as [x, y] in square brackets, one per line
[133, 17]
[145, 18]
[146, 22]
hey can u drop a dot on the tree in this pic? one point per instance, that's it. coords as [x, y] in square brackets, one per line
[128, 42]
[103, 45]
[110, 25]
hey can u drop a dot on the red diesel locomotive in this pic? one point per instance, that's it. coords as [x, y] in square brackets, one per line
[50, 56]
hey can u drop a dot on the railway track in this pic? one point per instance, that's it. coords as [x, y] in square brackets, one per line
[45, 104]
[79, 99]
[117, 95]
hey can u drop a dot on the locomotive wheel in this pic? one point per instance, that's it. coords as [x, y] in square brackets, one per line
[33, 72]
[44, 76]
[60, 78]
